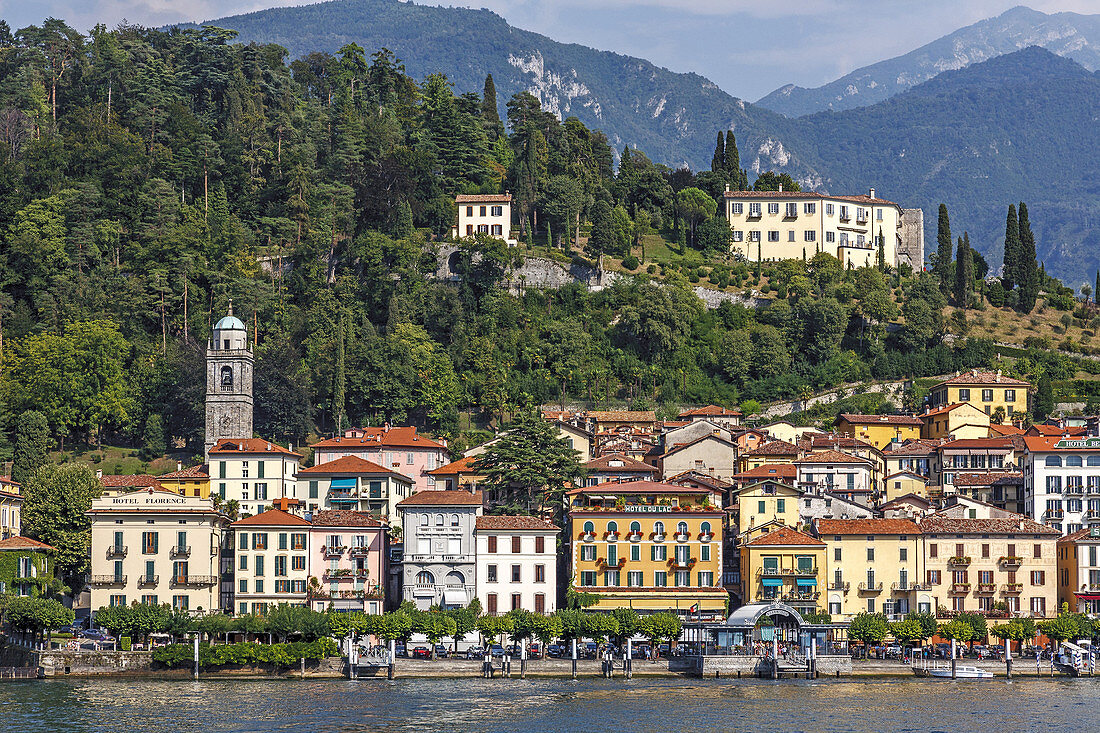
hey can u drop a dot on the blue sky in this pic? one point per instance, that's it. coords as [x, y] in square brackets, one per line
[747, 47]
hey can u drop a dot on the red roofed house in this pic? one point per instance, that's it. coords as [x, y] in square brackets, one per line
[783, 564]
[710, 454]
[273, 557]
[27, 567]
[253, 472]
[355, 484]
[398, 449]
[849, 476]
[517, 565]
[113, 484]
[1079, 570]
[986, 391]
[617, 467]
[879, 430]
[487, 214]
[713, 413]
[347, 561]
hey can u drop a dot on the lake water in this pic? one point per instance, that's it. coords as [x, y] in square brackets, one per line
[547, 706]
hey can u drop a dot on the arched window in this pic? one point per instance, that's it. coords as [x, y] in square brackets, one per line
[658, 528]
[589, 528]
[1073, 460]
[612, 526]
[1093, 461]
[425, 578]
[682, 528]
[704, 528]
[455, 578]
[423, 520]
[454, 520]
[227, 378]
[439, 520]
[635, 526]
[1054, 460]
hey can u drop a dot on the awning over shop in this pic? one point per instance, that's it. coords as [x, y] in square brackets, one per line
[342, 484]
[1088, 596]
[454, 597]
[807, 581]
[772, 582]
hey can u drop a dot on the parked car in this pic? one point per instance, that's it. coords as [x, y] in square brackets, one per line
[639, 651]
[496, 650]
[475, 652]
[534, 651]
[591, 650]
[441, 651]
[893, 651]
[400, 649]
[556, 651]
[422, 652]
[97, 635]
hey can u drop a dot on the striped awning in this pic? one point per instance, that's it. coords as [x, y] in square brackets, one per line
[772, 582]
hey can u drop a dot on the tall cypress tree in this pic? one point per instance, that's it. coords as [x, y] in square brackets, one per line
[942, 265]
[32, 445]
[739, 178]
[964, 272]
[490, 115]
[1010, 273]
[718, 161]
[1028, 268]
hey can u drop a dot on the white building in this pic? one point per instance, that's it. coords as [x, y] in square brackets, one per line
[484, 214]
[1062, 481]
[254, 472]
[157, 547]
[838, 473]
[357, 484]
[516, 564]
[439, 563]
[783, 225]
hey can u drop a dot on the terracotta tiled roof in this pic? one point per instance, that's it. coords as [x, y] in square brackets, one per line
[23, 543]
[1015, 525]
[136, 481]
[986, 478]
[6, 481]
[946, 408]
[1081, 534]
[603, 463]
[709, 436]
[774, 448]
[250, 445]
[866, 526]
[482, 198]
[855, 419]
[831, 456]
[197, 471]
[835, 441]
[350, 464]
[907, 499]
[272, 518]
[403, 437]
[462, 465]
[622, 415]
[344, 518]
[907, 473]
[701, 478]
[912, 448]
[1005, 429]
[673, 424]
[971, 443]
[801, 195]
[1054, 430]
[785, 536]
[710, 411]
[1047, 443]
[513, 521]
[769, 470]
[637, 487]
[977, 377]
[443, 498]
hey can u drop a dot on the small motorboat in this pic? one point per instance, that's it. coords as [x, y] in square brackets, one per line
[962, 672]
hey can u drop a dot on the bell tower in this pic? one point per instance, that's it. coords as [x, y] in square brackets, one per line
[228, 382]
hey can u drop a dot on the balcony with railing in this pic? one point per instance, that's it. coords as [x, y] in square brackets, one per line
[681, 537]
[610, 536]
[870, 587]
[107, 580]
[1012, 588]
[958, 589]
[803, 572]
[1075, 490]
[180, 580]
[908, 587]
[618, 563]
[683, 562]
[1053, 514]
[1092, 515]
[117, 551]
[343, 497]
[333, 550]
[180, 551]
[360, 550]
[985, 589]
[633, 536]
[839, 585]
[958, 560]
[147, 580]
[1010, 560]
[802, 595]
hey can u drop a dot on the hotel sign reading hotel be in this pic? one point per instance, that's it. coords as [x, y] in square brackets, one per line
[1086, 443]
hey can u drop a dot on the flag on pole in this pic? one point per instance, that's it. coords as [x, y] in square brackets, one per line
[694, 608]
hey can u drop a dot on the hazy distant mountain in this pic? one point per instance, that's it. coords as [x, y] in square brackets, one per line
[672, 117]
[1067, 34]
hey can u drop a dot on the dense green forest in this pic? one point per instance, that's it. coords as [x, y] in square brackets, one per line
[145, 173]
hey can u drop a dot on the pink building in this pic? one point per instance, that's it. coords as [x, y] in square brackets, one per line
[347, 561]
[399, 450]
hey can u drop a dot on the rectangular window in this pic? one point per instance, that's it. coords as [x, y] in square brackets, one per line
[540, 573]
[280, 564]
[491, 604]
[809, 208]
[540, 545]
[588, 553]
[836, 554]
[683, 578]
[634, 579]
[298, 541]
[933, 550]
[870, 554]
[830, 237]
[706, 579]
[790, 235]
[259, 540]
[754, 236]
[704, 553]
[516, 602]
[1038, 551]
[780, 505]
[1038, 577]
[374, 489]
[481, 211]
[660, 579]
[150, 543]
[588, 578]
[761, 507]
[809, 235]
[515, 574]
[244, 469]
[1010, 395]
[491, 573]
[258, 562]
[283, 537]
[773, 235]
[496, 211]
[221, 469]
[791, 210]
[540, 603]
[754, 209]
[738, 236]
[313, 490]
[659, 553]
[737, 208]
[259, 585]
[773, 207]
[492, 542]
[516, 545]
[611, 578]
[298, 562]
[635, 553]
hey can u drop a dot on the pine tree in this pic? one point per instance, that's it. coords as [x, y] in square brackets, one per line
[942, 265]
[1028, 269]
[1009, 274]
[32, 445]
[718, 161]
[964, 272]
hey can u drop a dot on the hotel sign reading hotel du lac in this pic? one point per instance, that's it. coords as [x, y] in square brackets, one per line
[648, 508]
[1085, 443]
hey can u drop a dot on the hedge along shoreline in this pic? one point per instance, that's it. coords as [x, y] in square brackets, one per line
[248, 652]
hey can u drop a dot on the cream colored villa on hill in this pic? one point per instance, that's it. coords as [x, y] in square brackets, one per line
[783, 225]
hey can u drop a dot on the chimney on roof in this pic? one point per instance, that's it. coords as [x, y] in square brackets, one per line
[871, 195]
[780, 188]
[99, 473]
[998, 376]
[179, 465]
[727, 188]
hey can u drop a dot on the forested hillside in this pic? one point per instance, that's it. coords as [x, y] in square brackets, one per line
[143, 173]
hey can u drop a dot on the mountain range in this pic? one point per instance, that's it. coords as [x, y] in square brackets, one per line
[1016, 126]
[1071, 35]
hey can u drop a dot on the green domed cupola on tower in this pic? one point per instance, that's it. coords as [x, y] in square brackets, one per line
[229, 365]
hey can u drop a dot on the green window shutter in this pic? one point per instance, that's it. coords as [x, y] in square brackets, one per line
[760, 507]
[156, 542]
[312, 489]
[259, 469]
[221, 469]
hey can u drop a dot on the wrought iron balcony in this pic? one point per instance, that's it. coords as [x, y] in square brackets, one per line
[985, 589]
[180, 551]
[683, 562]
[959, 560]
[148, 579]
[1012, 588]
[840, 585]
[1010, 560]
[194, 579]
[108, 580]
[117, 551]
[959, 588]
[870, 587]
[1053, 514]
[360, 550]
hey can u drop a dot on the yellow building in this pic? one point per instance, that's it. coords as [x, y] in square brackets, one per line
[875, 565]
[783, 565]
[984, 390]
[11, 508]
[904, 482]
[878, 430]
[766, 501]
[648, 546]
[783, 225]
[957, 421]
[772, 452]
[1079, 570]
[190, 481]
